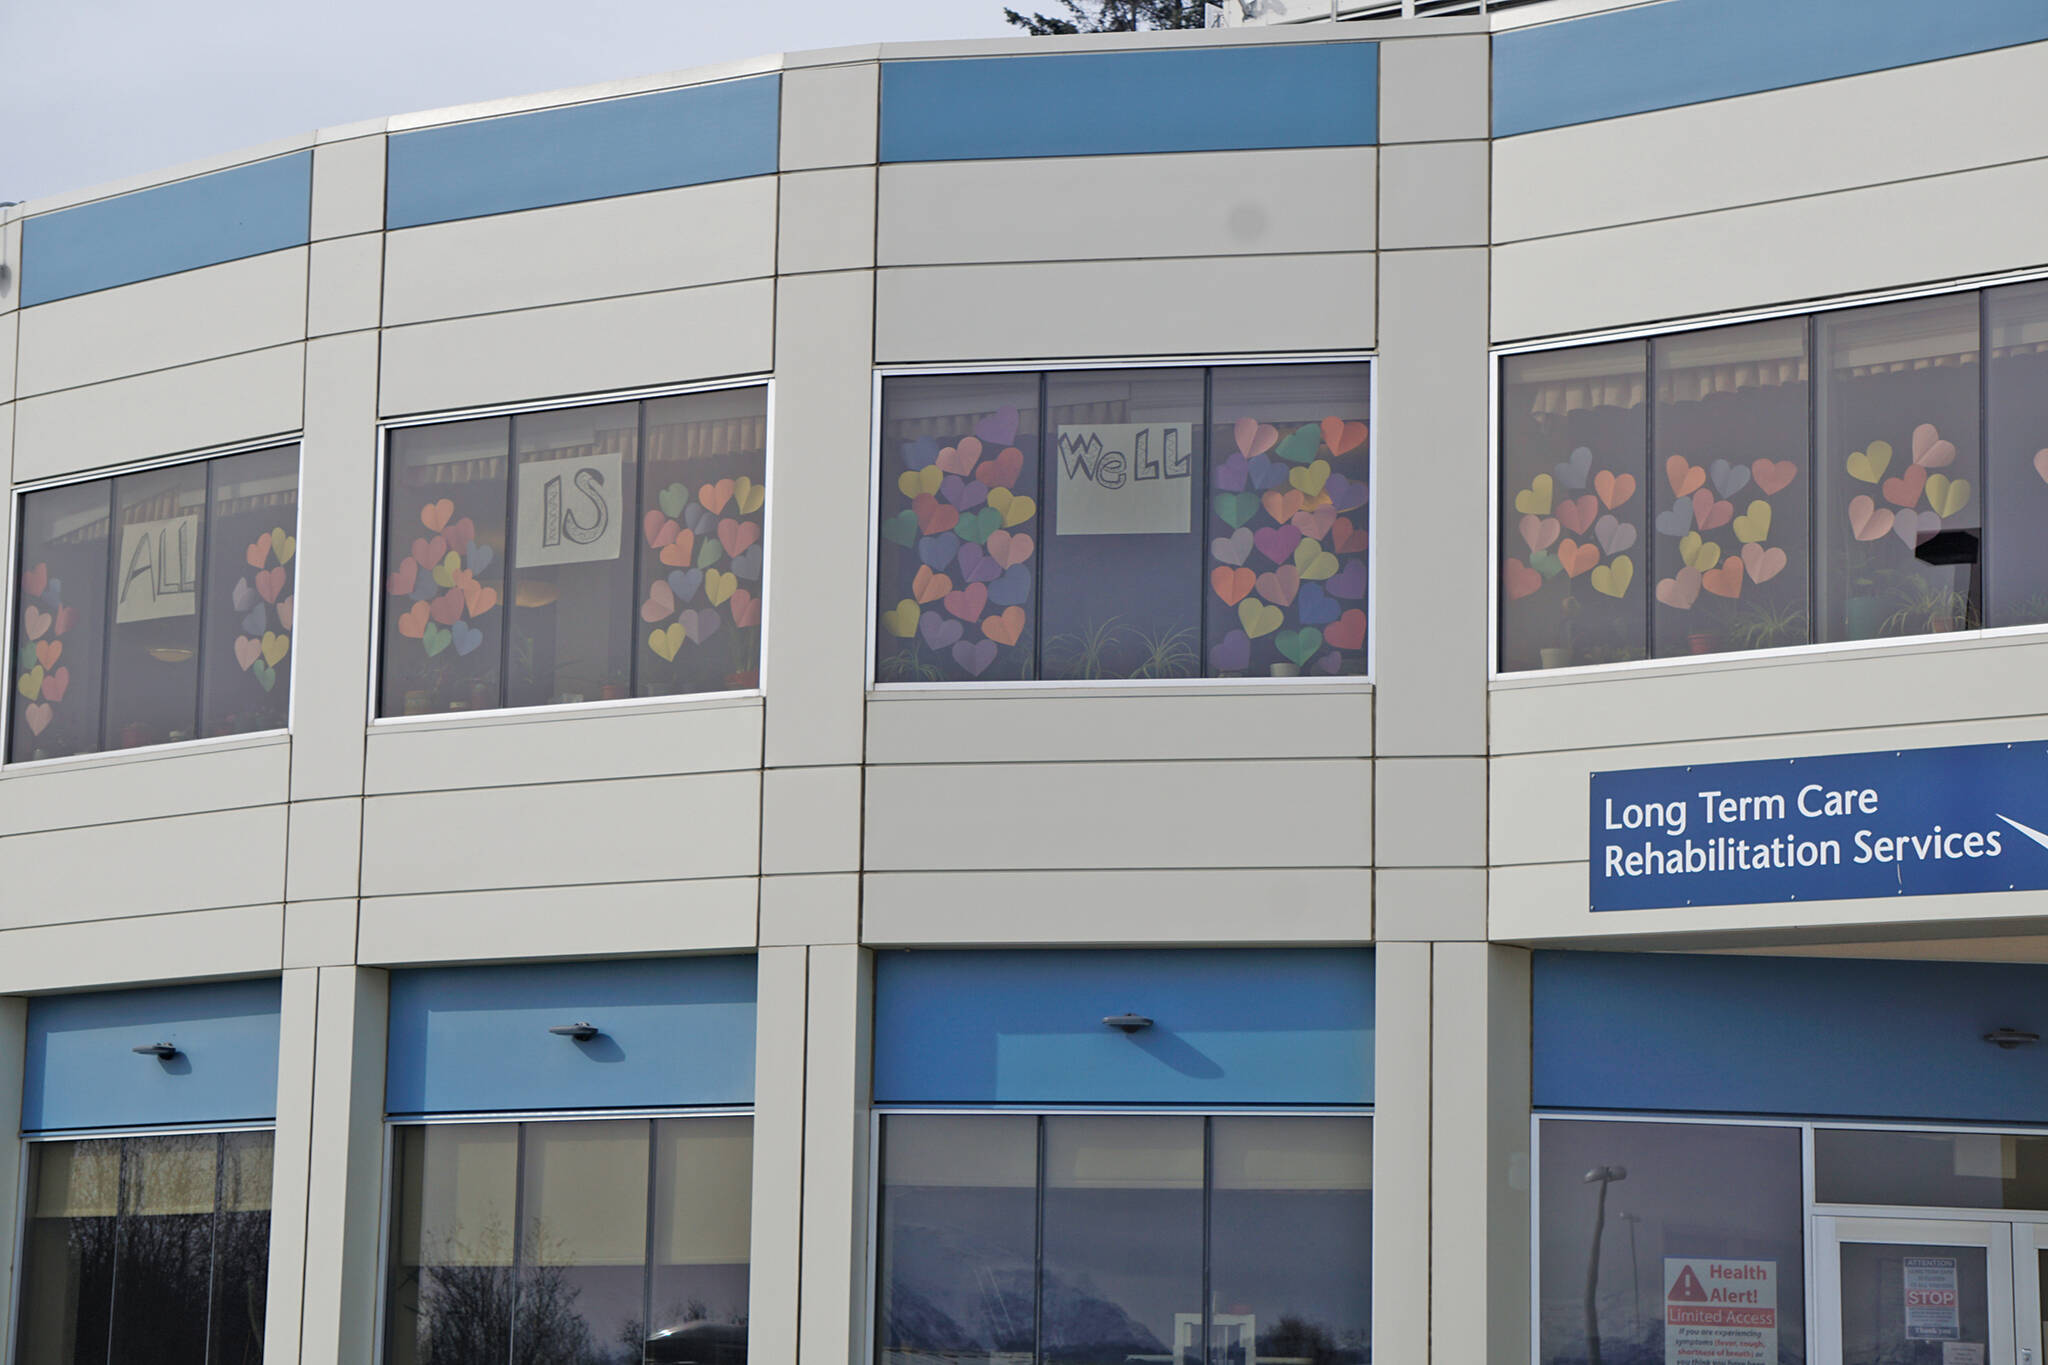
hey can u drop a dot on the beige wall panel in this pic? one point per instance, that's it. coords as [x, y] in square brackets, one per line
[1434, 195]
[1433, 904]
[582, 834]
[810, 820]
[568, 745]
[1913, 121]
[1431, 812]
[10, 325]
[344, 1205]
[560, 922]
[1400, 1152]
[633, 244]
[1284, 721]
[145, 867]
[1094, 208]
[830, 115]
[244, 941]
[1973, 222]
[646, 340]
[827, 220]
[144, 784]
[345, 290]
[1200, 305]
[1221, 906]
[1435, 89]
[217, 402]
[292, 1163]
[10, 257]
[1136, 815]
[775, 1253]
[324, 857]
[833, 1305]
[202, 314]
[810, 909]
[319, 933]
[348, 187]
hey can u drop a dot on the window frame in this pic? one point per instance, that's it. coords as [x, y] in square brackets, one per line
[871, 1305]
[1497, 526]
[10, 600]
[380, 529]
[387, 1204]
[18, 1235]
[1128, 686]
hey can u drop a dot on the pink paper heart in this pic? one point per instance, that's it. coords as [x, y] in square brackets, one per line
[1254, 437]
[1763, 565]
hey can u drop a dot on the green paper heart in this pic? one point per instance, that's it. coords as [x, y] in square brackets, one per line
[1299, 645]
[1546, 563]
[1237, 508]
[28, 656]
[979, 526]
[901, 528]
[264, 673]
[674, 499]
[709, 552]
[1301, 445]
[436, 639]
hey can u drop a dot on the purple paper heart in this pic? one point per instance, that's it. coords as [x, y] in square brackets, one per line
[1231, 474]
[921, 453]
[1234, 548]
[937, 551]
[938, 629]
[1265, 472]
[962, 494]
[1345, 494]
[685, 582]
[1277, 542]
[976, 657]
[1314, 606]
[1329, 663]
[748, 565]
[244, 595]
[699, 626]
[1347, 582]
[1233, 654]
[979, 565]
[1013, 589]
[1909, 525]
[1678, 520]
[999, 428]
[1614, 535]
[700, 518]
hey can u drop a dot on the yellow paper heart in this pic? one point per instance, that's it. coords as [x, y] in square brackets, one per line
[1870, 464]
[718, 586]
[31, 683]
[901, 620]
[283, 544]
[748, 495]
[1535, 499]
[1258, 618]
[444, 572]
[275, 647]
[1697, 553]
[666, 642]
[1313, 560]
[916, 481]
[1311, 479]
[1945, 495]
[1015, 507]
[1614, 576]
[1754, 526]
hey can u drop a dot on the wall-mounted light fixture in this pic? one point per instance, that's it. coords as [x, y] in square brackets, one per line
[2010, 1038]
[1127, 1023]
[579, 1031]
[163, 1052]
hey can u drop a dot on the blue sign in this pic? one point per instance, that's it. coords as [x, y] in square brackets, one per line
[1912, 822]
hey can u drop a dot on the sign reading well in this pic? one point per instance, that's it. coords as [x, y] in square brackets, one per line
[1913, 822]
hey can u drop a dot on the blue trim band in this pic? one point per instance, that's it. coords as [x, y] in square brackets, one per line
[208, 220]
[724, 131]
[1202, 100]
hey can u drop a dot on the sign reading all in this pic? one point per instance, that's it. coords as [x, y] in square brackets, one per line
[1913, 822]
[1719, 1312]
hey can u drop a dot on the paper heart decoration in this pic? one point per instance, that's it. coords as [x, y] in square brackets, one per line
[659, 530]
[698, 626]
[938, 551]
[284, 612]
[699, 520]
[1234, 548]
[1681, 590]
[1342, 437]
[1298, 646]
[1536, 497]
[1347, 582]
[33, 581]
[1013, 588]
[1773, 476]
[399, 584]
[478, 598]
[1868, 521]
[1754, 524]
[1614, 534]
[1678, 520]
[1232, 585]
[1015, 507]
[275, 647]
[1614, 489]
[681, 550]
[928, 587]
[660, 603]
[666, 642]
[683, 583]
[1314, 561]
[1258, 618]
[2041, 464]
[1728, 479]
[1002, 471]
[444, 572]
[939, 631]
[1280, 506]
[1347, 539]
[1905, 490]
[1686, 477]
[427, 553]
[259, 552]
[1235, 509]
[35, 622]
[999, 428]
[746, 608]
[1265, 472]
[1577, 558]
[1348, 633]
[459, 534]
[975, 657]
[1300, 445]
[709, 552]
[1613, 578]
[967, 603]
[934, 516]
[1005, 629]
[979, 565]
[675, 499]
[1310, 478]
[270, 583]
[38, 715]
[1762, 565]
[1314, 606]
[254, 622]
[719, 586]
[413, 624]
[434, 641]
[65, 616]
[1572, 471]
[1909, 525]
[1947, 496]
[282, 545]
[748, 495]
[901, 619]
[466, 638]
[1345, 494]
[1577, 513]
[1231, 654]
[920, 482]
[979, 526]
[48, 652]
[1869, 464]
[56, 683]
[1253, 436]
[1280, 585]
[1277, 543]
[1697, 553]
[714, 496]
[1929, 450]
[1708, 512]
[435, 515]
[1230, 475]
[916, 454]
[962, 493]
[1519, 579]
[1009, 548]
[447, 609]
[1314, 522]
[1725, 581]
[962, 458]
[31, 683]
[900, 529]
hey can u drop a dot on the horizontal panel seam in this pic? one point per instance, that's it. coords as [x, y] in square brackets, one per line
[1139, 254]
[278, 804]
[574, 203]
[390, 327]
[612, 778]
[165, 369]
[168, 274]
[736, 878]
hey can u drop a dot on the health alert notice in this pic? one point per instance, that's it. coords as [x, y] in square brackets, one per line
[1720, 1312]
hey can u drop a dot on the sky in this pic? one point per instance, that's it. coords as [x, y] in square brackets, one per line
[94, 90]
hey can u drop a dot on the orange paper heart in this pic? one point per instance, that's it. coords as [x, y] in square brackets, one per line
[1686, 478]
[1763, 565]
[1007, 628]
[1725, 581]
[435, 515]
[1577, 558]
[1906, 488]
[1680, 590]
[1232, 585]
[1614, 489]
[1343, 437]
[1773, 475]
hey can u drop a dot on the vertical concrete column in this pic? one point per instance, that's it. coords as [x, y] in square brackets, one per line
[1400, 1147]
[291, 1177]
[782, 1007]
[833, 1317]
[345, 1157]
[13, 1057]
[1479, 1154]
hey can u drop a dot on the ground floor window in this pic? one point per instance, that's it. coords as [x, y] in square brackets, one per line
[149, 1249]
[1099, 1239]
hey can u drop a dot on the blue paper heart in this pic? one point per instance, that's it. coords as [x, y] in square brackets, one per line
[748, 565]
[1232, 654]
[1013, 589]
[253, 623]
[1315, 607]
[1572, 473]
[700, 518]
[938, 551]
[480, 556]
[1265, 473]
[424, 588]
[467, 637]
[685, 582]
[921, 453]
[1678, 520]
[53, 594]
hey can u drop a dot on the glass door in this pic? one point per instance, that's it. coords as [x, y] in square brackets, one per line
[1914, 1291]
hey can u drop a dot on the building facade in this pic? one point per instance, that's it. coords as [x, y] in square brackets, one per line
[1313, 692]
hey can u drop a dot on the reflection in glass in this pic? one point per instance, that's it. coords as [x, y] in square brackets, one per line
[60, 621]
[250, 592]
[1732, 1192]
[1932, 1170]
[1877, 1326]
[1574, 484]
[958, 1238]
[162, 1261]
[241, 1249]
[452, 1283]
[574, 508]
[1122, 1238]
[67, 1289]
[1900, 512]
[1290, 1235]
[152, 670]
[698, 1281]
[1730, 483]
[2016, 431]
[583, 1243]
[1125, 464]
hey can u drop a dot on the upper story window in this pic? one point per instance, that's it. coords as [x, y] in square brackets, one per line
[156, 606]
[1852, 475]
[1129, 524]
[575, 554]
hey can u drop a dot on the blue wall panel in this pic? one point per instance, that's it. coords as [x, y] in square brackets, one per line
[82, 1071]
[1798, 1036]
[1231, 1027]
[693, 136]
[475, 1039]
[247, 211]
[1201, 100]
[1685, 51]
